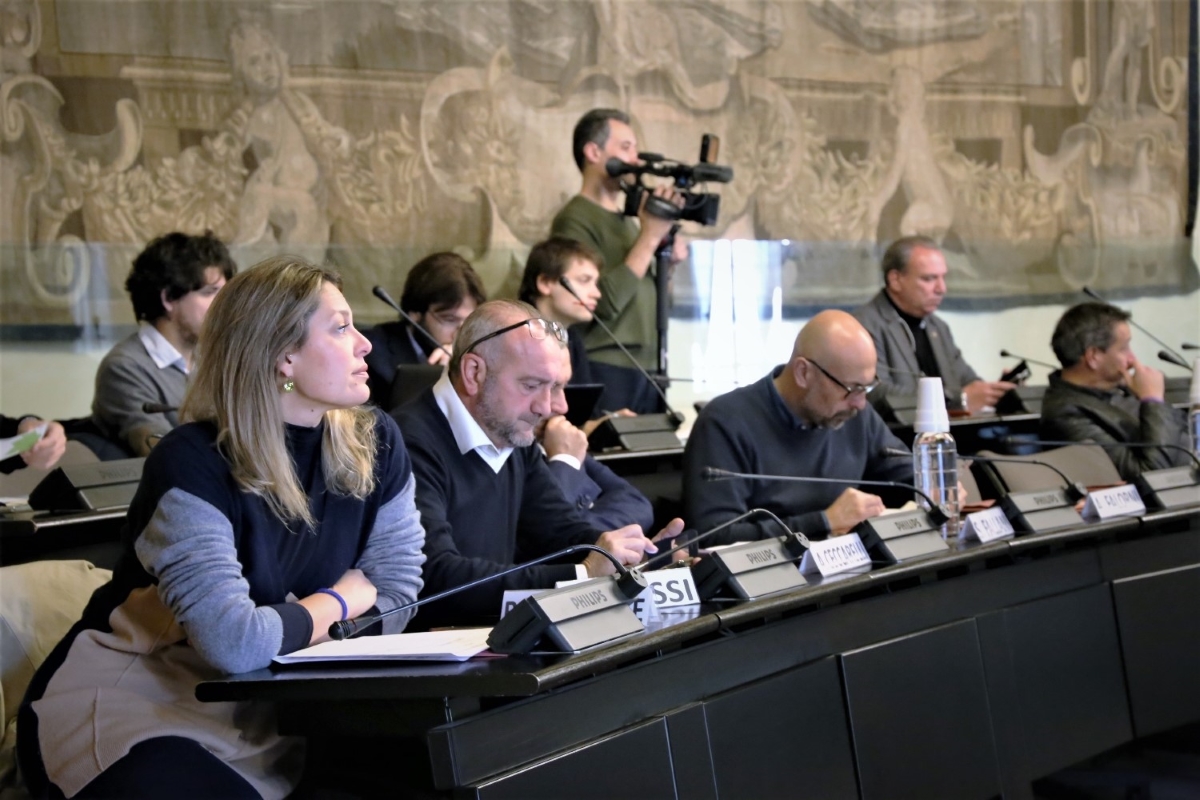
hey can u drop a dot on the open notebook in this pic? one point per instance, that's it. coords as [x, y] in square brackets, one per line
[451, 645]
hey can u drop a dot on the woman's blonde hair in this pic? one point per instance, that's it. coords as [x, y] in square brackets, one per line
[261, 315]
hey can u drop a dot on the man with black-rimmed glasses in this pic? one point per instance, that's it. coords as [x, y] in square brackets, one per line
[486, 497]
[808, 417]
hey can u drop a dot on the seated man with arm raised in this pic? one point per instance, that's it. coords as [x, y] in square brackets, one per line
[484, 491]
[1103, 394]
[911, 340]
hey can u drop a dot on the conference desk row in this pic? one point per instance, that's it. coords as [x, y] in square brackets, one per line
[968, 674]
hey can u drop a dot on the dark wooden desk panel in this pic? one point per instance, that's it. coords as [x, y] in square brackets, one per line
[646, 745]
[918, 708]
[1159, 617]
[1055, 682]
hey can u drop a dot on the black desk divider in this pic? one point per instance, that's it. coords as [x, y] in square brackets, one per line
[748, 570]
[643, 432]
[899, 537]
[572, 618]
[1176, 487]
[99, 486]
[1040, 510]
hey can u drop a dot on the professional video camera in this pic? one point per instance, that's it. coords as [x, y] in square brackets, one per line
[701, 207]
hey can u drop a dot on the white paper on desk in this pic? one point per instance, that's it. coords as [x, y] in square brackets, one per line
[25, 441]
[452, 645]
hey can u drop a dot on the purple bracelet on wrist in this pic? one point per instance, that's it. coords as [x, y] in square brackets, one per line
[339, 598]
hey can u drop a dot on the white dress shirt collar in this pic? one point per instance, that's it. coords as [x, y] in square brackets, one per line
[162, 352]
[467, 433]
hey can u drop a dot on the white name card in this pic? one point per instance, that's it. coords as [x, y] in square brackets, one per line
[986, 526]
[514, 596]
[835, 554]
[673, 587]
[668, 588]
[1116, 501]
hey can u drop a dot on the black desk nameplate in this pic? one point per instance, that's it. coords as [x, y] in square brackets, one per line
[899, 537]
[574, 617]
[747, 570]
[88, 487]
[1040, 510]
[1177, 487]
[643, 432]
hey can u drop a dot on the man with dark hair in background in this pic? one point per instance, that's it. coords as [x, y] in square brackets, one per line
[172, 284]
[596, 217]
[441, 291]
[911, 340]
[1103, 394]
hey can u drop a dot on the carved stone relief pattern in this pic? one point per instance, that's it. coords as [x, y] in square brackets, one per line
[369, 133]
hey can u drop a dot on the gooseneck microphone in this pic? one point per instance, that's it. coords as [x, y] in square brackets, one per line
[1046, 364]
[158, 408]
[629, 584]
[1190, 346]
[795, 542]
[1171, 358]
[674, 416]
[1106, 445]
[382, 294]
[1075, 490]
[938, 513]
[1178, 359]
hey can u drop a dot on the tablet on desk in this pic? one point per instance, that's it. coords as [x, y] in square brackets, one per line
[581, 401]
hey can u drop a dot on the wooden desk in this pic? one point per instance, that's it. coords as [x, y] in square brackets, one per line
[965, 675]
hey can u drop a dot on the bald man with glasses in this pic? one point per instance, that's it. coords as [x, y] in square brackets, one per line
[808, 417]
[486, 496]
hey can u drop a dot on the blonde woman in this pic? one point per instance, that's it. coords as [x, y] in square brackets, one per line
[280, 507]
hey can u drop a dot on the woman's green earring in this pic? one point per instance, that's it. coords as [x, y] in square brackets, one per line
[289, 385]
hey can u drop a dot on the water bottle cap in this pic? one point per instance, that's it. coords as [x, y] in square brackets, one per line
[931, 407]
[1194, 394]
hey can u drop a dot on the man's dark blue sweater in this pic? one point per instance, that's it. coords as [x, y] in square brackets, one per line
[751, 430]
[475, 519]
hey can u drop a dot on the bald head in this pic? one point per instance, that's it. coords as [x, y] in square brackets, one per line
[836, 337]
[833, 354]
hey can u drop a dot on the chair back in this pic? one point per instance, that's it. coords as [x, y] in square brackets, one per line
[410, 381]
[1088, 465]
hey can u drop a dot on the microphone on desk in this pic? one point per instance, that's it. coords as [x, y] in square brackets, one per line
[158, 408]
[673, 416]
[938, 513]
[795, 542]
[382, 294]
[1167, 348]
[1171, 358]
[1075, 490]
[1046, 364]
[627, 584]
[1015, 441]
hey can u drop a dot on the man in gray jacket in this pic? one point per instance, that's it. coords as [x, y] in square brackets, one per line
[911, 340]
[1103, 394]
[172, 284]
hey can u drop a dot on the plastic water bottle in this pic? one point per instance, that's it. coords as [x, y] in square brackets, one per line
[1194, 413]
[935, 456]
